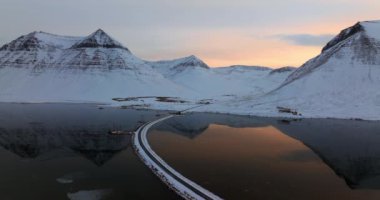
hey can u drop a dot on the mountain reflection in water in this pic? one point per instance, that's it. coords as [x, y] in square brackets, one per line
[65, 151]
[51, 131]
[350, 148]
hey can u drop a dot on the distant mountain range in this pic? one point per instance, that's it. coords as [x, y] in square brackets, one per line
[42, 67]
[342, 82]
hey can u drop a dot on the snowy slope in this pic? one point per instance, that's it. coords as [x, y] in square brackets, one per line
[252, 80]
[342, 82]
[194, 74]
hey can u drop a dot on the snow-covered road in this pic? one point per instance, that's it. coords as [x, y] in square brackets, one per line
[177, 182]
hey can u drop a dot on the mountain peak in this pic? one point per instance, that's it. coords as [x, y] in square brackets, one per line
[370, 28]
[40, 40]
[26, 42]
[358, 45]
[343, 35]
[99, 31]
[97, 39]
[193, 57]
[100, 35]
[192, 61]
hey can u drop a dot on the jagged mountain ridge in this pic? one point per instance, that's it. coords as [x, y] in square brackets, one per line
[44, 50]
[40, 40]
[36, 49]
[358, 44]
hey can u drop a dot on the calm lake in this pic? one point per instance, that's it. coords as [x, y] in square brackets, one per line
[65, 151]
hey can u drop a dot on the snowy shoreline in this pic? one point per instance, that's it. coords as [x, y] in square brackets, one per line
[174, 107]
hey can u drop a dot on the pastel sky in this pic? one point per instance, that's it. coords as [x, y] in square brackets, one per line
[271, 33]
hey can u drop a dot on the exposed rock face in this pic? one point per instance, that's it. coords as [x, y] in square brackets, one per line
[98, 39]
[39, 50]
[358, 45]
[283, 69]
[27, 43]
[191, 61]
[346, 33]
[171, 67]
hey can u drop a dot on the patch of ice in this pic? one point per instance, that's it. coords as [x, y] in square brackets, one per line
[89, 194]
[64, 180]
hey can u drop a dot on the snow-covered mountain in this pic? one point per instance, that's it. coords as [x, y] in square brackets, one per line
[170, 68]
[237, 80]
[342, 82]
[41, 67]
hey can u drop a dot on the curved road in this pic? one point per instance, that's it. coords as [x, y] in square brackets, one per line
[182, 185]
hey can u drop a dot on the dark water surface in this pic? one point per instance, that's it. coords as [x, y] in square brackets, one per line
[62, 151]
[263, 158]
[65, 151]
